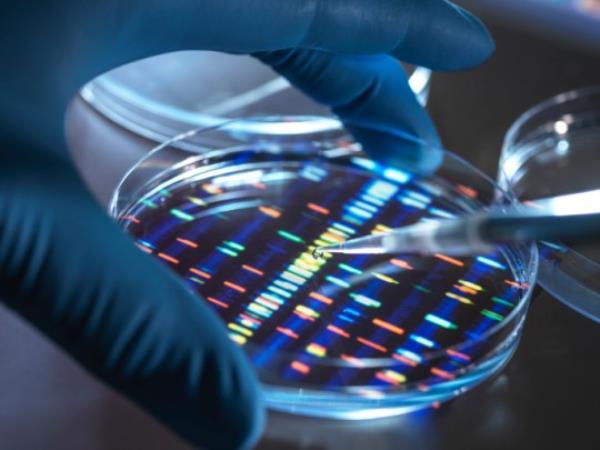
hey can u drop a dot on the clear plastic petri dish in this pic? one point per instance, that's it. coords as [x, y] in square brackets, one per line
[237, 211]
[551, 150]
[163, 96]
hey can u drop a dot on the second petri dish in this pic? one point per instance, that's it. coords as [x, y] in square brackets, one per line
[237, 215]
[552, 150]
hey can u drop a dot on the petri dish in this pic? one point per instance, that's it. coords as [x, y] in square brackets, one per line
[165, 95]
[237, 215]
[552, 149]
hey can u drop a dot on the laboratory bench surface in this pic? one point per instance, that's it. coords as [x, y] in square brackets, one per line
[548, 397]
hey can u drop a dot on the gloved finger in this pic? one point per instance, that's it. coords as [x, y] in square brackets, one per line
[92, 37]
[432, 33]
[69, 270]
[372, 96]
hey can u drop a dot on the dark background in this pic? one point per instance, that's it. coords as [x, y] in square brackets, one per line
[548, 397]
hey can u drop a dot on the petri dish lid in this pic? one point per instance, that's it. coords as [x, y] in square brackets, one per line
[554, 149]
[163, 96]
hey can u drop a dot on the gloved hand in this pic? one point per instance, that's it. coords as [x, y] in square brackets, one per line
[69, 270]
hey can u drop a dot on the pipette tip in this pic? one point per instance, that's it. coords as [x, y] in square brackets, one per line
[343, 249]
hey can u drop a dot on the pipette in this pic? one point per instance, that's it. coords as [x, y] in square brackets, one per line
[571, 217]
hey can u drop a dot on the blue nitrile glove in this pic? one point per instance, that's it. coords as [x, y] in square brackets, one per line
[69, 270]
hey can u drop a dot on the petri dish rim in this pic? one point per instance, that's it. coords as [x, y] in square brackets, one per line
[512, 135]
[314, 125]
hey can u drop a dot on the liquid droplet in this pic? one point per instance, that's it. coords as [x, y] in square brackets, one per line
[318, 253]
